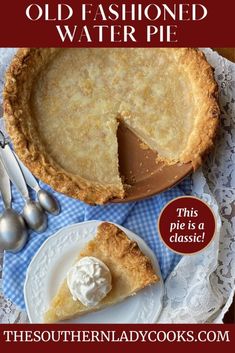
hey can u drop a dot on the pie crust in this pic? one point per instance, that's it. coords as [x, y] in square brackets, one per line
[63, 106]
[131, 271]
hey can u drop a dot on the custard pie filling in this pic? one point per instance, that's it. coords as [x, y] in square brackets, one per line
[63, 107]
[81, 105]
[121, 264]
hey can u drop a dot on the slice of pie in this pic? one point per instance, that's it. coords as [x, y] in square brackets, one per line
[130, 269]
[63, 106]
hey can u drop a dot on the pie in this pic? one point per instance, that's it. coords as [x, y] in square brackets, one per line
[131, 271]
[63, 108]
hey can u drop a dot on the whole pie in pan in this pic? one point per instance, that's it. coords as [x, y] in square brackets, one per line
[63, 108]
[131, 271]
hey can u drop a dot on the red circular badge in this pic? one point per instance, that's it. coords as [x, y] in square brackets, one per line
[186, 225]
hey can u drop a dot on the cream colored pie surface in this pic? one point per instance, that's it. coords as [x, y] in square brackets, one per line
[74, 100]
[131, 271]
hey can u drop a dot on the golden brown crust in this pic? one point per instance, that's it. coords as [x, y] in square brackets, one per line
[207, 120]
[19, 80]
[131, 271]
[112, 241]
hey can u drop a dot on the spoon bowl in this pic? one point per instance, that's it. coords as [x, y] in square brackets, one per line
[13, 232]
[34, 216]
[48, 202]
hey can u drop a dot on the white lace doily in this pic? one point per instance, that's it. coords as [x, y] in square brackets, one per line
[201, 287]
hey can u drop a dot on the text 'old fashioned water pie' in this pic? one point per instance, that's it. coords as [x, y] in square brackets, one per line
[63, 108]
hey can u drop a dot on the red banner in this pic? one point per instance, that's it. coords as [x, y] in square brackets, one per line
[117, 338]
[73, 23]
[117, 24]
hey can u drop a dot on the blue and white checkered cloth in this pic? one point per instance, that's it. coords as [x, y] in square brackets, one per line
[140, 217]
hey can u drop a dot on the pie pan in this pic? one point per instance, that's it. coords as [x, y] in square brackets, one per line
[142, 171]
[113, 120]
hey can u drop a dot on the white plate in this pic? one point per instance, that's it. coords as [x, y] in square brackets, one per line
[49, 266]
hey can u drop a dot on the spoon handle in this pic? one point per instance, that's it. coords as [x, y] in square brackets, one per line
[13, 170]
[28, 176]
[5, 186]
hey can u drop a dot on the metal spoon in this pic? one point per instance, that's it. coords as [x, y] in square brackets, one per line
[46, 200]
[33, 214]
[13, 232]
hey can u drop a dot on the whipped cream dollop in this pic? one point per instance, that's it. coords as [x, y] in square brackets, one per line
[89, 281]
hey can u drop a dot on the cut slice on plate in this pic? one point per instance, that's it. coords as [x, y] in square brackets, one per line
[130, 269]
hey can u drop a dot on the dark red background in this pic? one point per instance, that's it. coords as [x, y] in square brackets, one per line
[216, 30]
[182, 347]
[169, 215]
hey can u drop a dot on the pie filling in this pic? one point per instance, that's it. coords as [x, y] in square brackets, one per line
[63, 106]
[130, 269]
[76, 110]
